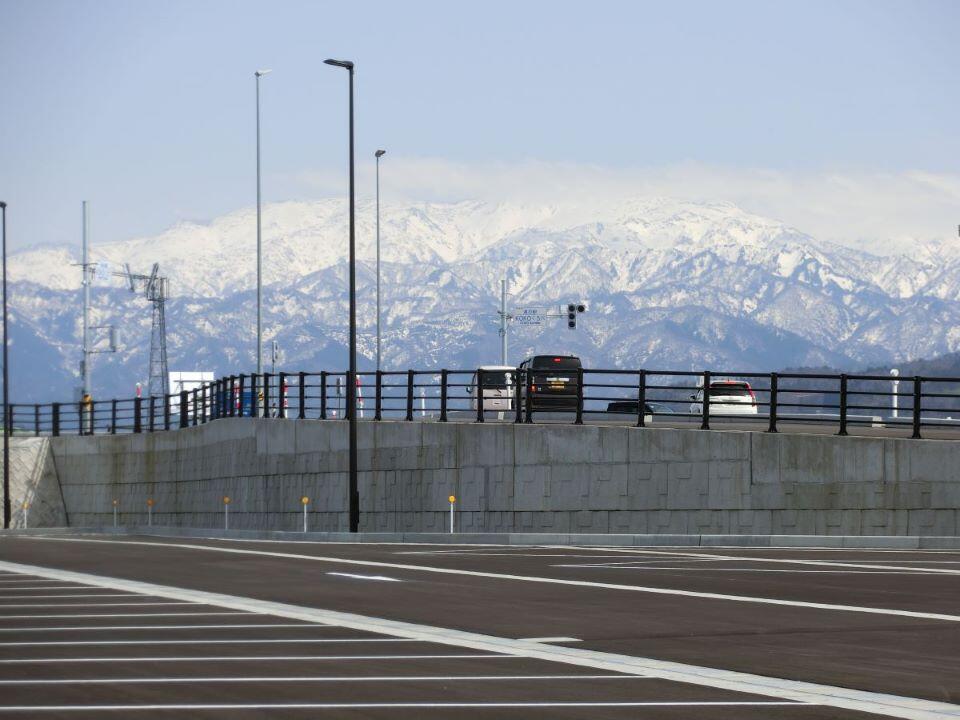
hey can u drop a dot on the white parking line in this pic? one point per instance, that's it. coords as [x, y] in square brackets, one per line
[93, 593]
[4, 592]
[232, 613]
[701, 569]
[533, 579]
[192, 641]
[256, 658]
[85, 628]
[364, 577]
[784, 690]
[314, 679]
[107, 604]
[789, 561]
[391, 706]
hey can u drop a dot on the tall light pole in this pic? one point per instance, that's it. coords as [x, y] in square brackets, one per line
[259, 74]
[354, 493]
[6, 383]
[378, 154]
[85, 267]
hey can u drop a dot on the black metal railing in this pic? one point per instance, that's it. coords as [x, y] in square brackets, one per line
[842, 403]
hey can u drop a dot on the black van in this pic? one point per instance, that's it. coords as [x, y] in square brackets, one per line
[551, 381]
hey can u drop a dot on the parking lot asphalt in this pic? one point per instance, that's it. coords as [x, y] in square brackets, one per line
[230, 628]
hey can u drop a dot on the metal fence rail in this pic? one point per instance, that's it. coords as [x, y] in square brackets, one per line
[638, 397]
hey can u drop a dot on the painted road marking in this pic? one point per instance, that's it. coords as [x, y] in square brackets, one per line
[364, 577]
[162, 627]
[108, 604]
[394, 706]
[191, 641]
[622, 566]
[788, 561]
[314, 679]
[232, 613]
[258, 658]
[782, 689]
[94, 593]
[552, 639]
[527, 578]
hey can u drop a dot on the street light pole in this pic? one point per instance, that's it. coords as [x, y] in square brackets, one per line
[259, 74]
[6, 383]
[354, 494]
[378, 154]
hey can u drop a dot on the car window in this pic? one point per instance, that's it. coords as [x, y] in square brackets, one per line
[729, 390]
[555, 362]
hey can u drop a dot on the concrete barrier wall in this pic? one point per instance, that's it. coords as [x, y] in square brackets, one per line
[514, 478]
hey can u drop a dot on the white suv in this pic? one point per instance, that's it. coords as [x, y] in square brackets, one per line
[727, 397]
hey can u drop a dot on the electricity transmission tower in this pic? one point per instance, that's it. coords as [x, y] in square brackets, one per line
[154, 289]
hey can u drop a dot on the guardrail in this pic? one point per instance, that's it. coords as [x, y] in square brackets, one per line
[638, 397]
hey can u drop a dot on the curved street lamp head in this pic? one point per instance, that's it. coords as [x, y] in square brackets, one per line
[261, 73]
[3, 204]
[380, 153]
[348, 64]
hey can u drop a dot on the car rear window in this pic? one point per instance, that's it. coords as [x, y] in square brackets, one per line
[729, 389]
[555, 362]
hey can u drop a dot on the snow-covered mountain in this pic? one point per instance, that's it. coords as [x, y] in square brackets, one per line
[667, 284]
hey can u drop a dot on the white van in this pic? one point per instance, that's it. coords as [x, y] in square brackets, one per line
[497, 391]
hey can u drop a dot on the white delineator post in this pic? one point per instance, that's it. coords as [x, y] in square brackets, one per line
[305, 501]
[895, 374]
[26, 516]
[226, 512]
[150, 512]
[453, 500]
[115, 504]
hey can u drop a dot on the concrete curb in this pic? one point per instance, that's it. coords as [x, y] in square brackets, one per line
[888, 542]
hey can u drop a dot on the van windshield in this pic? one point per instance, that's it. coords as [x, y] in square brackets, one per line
[554, 362]
[496, 378]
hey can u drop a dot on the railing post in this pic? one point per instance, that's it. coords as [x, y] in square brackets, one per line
[282, 396]
[36, 420]
[323, 394]
[528, 400]
[196, 410]
[517, 395]
[113, 416]
[153, 409]
[137, 405]
[479, 391]
[205, 390]
[705, 405]
[167, 399]
[184, 406]
[266, 394]
[303, 396]
[79, 415]
[232, 401]
[773, 403]
[917, 406]
[843, 405]
[579, 418]
[642, 399]
[55, 419]
[443, 395]
[378, 400]
[254, 395]
[410, 383]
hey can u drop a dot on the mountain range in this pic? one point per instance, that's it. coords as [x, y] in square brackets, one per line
[668, 284]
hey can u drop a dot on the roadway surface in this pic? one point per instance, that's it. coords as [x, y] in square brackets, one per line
[396, 631]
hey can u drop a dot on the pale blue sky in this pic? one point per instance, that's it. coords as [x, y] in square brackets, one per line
[146, 108]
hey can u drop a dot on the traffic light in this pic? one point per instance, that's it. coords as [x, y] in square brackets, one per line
[574, 309]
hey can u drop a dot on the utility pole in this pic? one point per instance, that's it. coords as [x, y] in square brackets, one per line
[85, 268]
[378, 154]
[259, 74]
[503, 321]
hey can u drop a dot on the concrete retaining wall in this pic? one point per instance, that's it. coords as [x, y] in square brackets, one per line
[515, 478]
